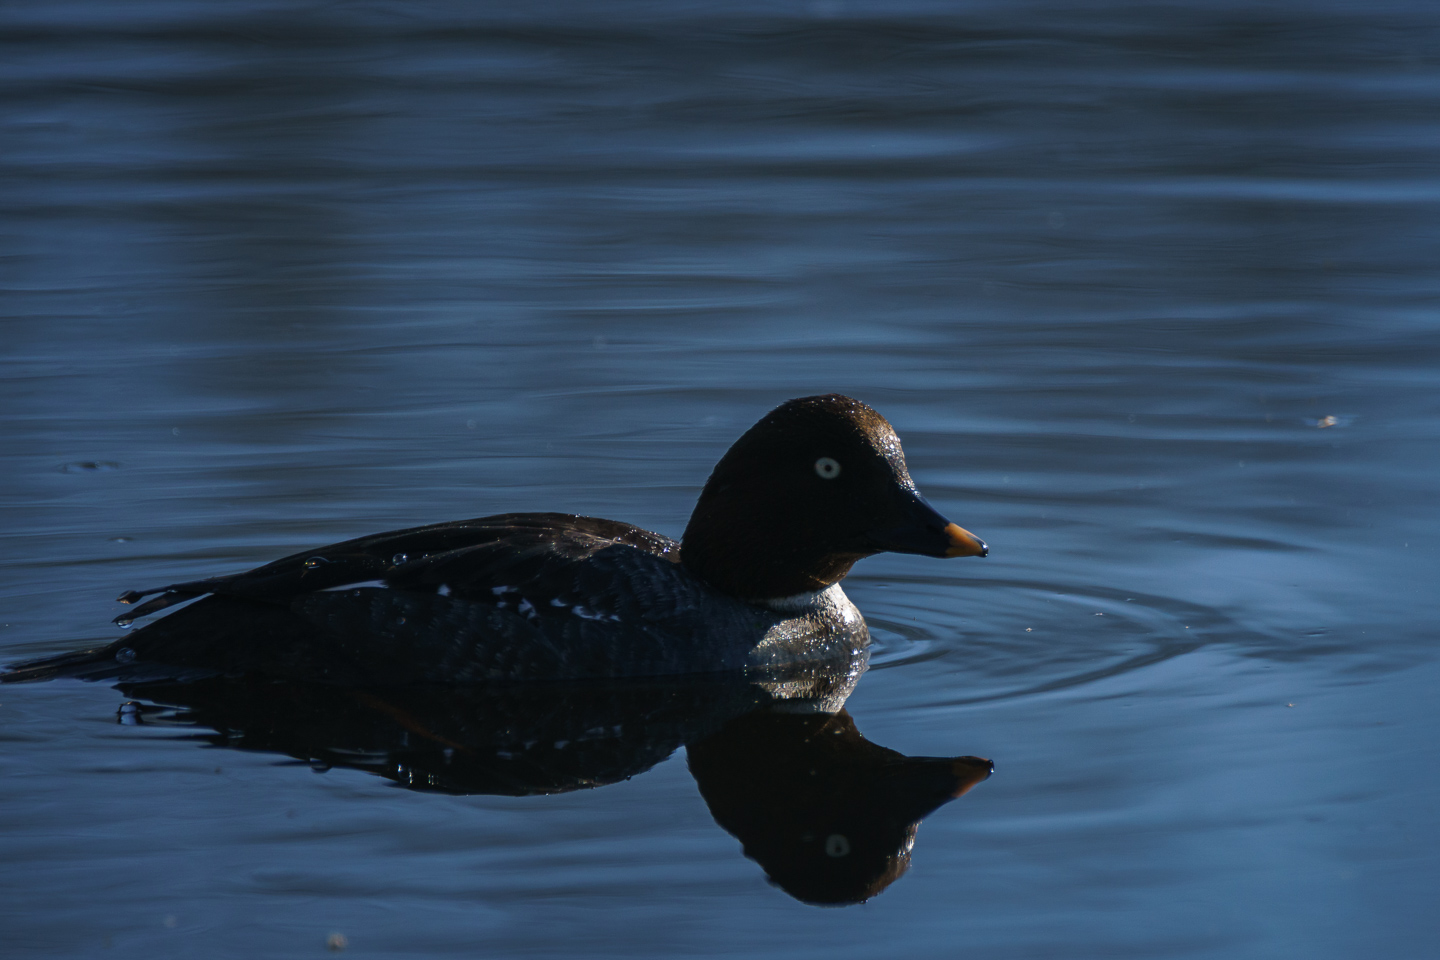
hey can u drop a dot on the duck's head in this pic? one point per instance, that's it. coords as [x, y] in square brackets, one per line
[816, 485]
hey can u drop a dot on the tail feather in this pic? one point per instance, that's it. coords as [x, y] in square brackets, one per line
[95, 664]
[168, 598]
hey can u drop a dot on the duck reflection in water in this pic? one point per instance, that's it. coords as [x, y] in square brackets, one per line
[830, 816]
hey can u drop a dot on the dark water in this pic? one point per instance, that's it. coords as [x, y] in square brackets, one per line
[1149, 291]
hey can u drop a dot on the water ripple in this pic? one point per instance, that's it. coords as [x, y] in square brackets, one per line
[1024, 637]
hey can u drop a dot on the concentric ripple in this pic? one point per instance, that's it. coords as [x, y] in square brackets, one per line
[1000, 639]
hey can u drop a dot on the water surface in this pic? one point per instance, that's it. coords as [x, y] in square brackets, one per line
[1148, 292]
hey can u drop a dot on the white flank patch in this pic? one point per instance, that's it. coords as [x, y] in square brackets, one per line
[376, 584]
[585, 613]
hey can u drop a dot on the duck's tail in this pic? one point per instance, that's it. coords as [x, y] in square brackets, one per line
[98, 663]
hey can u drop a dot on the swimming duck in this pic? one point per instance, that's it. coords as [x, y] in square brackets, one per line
[818, 484]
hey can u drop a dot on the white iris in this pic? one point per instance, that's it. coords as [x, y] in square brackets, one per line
[827, 468]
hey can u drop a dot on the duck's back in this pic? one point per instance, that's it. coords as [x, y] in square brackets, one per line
[509, 597]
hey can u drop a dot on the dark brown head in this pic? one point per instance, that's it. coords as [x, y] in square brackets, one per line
[816, 485]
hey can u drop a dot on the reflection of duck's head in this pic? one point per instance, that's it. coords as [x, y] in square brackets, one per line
[829, 815]
[817, 484]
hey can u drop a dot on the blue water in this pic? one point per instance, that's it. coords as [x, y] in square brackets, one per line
[1148, 291]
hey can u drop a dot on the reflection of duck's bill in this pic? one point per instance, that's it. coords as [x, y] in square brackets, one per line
[970, 771]
[916, 527]
[920, 785]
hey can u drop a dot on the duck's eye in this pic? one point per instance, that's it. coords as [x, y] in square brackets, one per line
[827, 468]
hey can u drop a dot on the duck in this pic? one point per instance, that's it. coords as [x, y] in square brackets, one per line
[753, 584]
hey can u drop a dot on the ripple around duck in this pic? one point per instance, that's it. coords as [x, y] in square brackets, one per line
[1024, 637]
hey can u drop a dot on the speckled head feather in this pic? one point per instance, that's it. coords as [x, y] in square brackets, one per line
[793, 504]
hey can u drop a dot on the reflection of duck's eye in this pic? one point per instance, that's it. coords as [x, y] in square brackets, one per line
[827, 468]
[837, 845]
